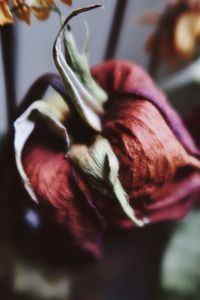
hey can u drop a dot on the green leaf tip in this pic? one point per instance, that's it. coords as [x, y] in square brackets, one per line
[79, 64]
[80, 88]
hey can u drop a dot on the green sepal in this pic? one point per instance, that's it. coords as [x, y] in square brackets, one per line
[79, 64]
[53, 111]
[100, 166]
[83, 101]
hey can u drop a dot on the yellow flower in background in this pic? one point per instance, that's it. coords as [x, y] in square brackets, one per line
[41, 8]
[41, 13]
[23, 9]
[177, 34]
[187, 33]
[5, 13]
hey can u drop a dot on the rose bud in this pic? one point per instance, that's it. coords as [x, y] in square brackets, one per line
[120, 158]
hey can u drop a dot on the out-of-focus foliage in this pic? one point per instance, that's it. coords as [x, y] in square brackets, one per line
[181, 271]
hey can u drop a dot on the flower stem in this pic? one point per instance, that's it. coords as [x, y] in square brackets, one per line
[8, 44]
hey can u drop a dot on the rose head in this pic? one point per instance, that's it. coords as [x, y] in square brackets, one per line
[109, 153]
[159, 167]
[157, 156]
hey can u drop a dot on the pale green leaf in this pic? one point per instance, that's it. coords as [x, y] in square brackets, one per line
[181, 264]
[83, 101]
[79, 64]
[100, 166]
[53, 110]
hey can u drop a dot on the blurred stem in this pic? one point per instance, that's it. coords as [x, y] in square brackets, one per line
[114, 34]
[8, 57]
[154, 59]
[57, 10]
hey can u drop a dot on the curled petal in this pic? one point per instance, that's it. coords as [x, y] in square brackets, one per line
[41, 8]
[122, 78]
[59, 187]
[5, 13]
[22, 11]
[41, 143]
[52, 111]
[41, 13]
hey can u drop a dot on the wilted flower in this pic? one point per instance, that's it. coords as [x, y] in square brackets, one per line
[158, 164]
[119, 159]
[177, 33]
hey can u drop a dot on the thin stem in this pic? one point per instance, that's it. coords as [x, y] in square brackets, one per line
[115, 31]
[8, 44]
[57, 10]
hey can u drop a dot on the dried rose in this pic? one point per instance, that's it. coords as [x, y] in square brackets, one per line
[158, 167]
[94, 165]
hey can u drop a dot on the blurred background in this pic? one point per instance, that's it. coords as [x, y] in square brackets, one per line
[32, 265]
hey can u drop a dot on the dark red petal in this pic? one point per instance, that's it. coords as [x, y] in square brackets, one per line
[120, 78]
[54, 181]
[158, 168]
